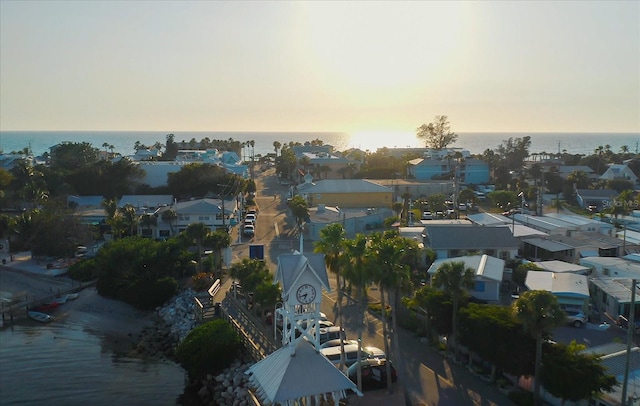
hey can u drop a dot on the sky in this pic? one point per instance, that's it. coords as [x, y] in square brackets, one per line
[354, 67]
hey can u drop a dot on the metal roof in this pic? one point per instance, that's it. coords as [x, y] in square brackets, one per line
[343, 186]
[288, 375]
[566, 284]
[291, 266]
[548, 245]
[465, 236]
[484, 265]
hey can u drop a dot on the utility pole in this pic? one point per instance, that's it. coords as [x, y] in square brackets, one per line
[630, 328]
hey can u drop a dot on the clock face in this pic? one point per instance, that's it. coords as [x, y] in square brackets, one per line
[306, 294]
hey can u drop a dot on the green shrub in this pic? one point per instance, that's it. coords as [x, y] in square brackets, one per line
[147, 296]
[208, 349]
[521, 398]
[83, 271]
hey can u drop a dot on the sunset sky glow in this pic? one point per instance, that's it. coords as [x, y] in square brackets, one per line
[320, 66]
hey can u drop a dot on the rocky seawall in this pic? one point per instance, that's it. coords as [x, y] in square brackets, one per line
[171, 324]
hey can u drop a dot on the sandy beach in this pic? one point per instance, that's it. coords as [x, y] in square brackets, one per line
[111, 318]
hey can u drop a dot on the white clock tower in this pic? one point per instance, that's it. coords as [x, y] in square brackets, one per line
[302, 278]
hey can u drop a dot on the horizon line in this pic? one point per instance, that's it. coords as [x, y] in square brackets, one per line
[336, 132]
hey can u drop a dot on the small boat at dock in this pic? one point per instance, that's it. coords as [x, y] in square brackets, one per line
[41, 317]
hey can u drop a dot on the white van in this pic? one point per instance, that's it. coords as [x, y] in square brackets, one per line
[350, 354]
[331, 333]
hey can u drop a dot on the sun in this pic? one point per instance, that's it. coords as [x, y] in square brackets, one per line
[372, 140]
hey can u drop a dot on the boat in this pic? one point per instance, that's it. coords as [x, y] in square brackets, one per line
[41, 317]
[72, 296]
[46, 306]
[61, 300]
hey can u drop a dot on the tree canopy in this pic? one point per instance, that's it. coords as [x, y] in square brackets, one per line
[437, 134]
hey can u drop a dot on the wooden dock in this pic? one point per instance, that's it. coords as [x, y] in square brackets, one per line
[17, 307]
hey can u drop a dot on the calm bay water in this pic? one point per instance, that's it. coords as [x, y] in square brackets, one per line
[65, 363]
[476, 143]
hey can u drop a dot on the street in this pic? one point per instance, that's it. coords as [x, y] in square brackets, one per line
[425, 377]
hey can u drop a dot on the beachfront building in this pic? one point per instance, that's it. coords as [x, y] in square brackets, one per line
[156, 173]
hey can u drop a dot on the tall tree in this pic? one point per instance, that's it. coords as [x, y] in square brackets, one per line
[455, 279]
[569, 363]
[539, 313]
[356, 273]
[276, 146]
[198, 232]
[389, 273]
[300, 210]
[437, 135]
[331, 244]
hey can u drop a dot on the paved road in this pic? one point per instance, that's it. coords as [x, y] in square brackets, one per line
[426, 377]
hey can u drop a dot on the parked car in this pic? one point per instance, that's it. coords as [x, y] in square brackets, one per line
[426, 215]
[250, 216]
[375, 352]
[576, 318]
[336, 343]
[333, 354]
[331, 333]
[374, 373]
[249, 230]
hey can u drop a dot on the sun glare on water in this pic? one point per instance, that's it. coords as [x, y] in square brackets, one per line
[372, 140]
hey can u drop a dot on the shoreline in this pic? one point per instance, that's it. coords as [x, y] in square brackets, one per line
[118, 322]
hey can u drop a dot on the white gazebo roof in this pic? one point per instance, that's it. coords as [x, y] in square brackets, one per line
[283, 378]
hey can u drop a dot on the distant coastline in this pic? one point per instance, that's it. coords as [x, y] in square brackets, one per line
[475, 142]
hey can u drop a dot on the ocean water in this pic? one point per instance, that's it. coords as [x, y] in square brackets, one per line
[66, 363]
[475, 142]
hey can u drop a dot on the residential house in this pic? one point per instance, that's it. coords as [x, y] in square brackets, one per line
[613, 296]
[562, 267]
[469, 171]
[565, 170]
[145, 202]
[617, 361]
[417, 188]
[455, 240]
[206, 211]
[584, 224]
[571, 289]
[353, 221]
[611, 267]
[488, 272]
[600, 198]
[346, 193]
[88, 209]
[619, 172]
[545, 248]
[548, 225]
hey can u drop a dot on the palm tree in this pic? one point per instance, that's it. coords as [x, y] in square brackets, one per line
[389, 273]
[218, 240]
[455, 279]
[169, 216]
[332, 246]
[354, 263]
[105, 145]
[130, 218]
[198, 232]
[147, 221]
[539, 313]
[276, 147]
